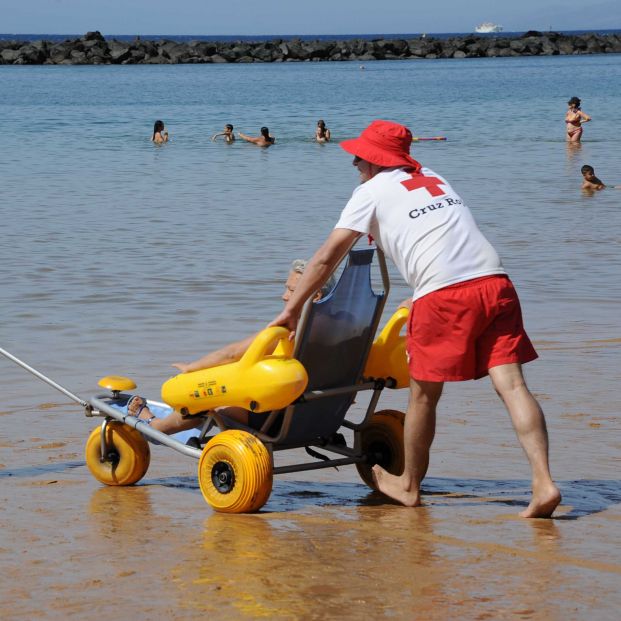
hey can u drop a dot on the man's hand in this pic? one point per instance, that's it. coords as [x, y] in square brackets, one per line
[288, 320]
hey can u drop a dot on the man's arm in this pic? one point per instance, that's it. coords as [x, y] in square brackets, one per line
[315, 274]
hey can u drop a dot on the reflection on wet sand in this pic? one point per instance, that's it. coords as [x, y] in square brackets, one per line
[320, 554]
[327, 548]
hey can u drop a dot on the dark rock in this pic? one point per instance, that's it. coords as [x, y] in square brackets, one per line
[518, 45]
[9, 56]
[77, 57]
[119, 51]
[147, 47]
[594, 47]
[97, 50]
[264, 52]
[566, 47]
[177, 53]
[548, 47]
[59, 52]
[95, 35]
[32, 55]
[10, 45]
[135, 56]
[93, 48]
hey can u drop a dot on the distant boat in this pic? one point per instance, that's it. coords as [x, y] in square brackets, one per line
[486, 27]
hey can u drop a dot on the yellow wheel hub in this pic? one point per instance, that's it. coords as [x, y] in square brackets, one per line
[235, 472]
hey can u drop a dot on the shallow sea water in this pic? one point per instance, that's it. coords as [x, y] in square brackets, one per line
[120, 257]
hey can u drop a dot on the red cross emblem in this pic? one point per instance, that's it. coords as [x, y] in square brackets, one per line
[418, 180]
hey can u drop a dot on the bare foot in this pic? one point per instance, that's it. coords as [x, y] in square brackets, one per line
[543, 503]
[393, 487]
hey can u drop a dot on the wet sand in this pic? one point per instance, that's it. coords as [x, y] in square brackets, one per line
[324, 546]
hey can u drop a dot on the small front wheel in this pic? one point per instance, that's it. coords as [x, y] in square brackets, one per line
[381, 441]
[127, 455]
[235, 472]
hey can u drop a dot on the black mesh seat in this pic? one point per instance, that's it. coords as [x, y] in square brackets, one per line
[335, 338]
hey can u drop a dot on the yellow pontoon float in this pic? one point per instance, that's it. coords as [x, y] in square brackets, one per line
[299, 394]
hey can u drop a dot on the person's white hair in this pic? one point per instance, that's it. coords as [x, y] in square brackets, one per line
[299, 265]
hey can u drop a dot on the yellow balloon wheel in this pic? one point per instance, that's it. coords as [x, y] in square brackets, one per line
[127, 455]
[235, 472]
[382, 442]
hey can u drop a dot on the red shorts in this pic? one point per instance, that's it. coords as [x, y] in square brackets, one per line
[459, 332]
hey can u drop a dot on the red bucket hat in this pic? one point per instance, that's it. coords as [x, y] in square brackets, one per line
[383, 143]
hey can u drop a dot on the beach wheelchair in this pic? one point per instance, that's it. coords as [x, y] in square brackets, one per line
[300, 393]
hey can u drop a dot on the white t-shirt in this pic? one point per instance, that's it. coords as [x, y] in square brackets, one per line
[422, 224]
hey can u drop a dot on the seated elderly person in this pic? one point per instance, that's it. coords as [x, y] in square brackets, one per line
[175, 422]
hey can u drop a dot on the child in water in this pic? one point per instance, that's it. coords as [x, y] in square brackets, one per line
[591, 182]
[229, 136]
[322, 133]
[160, 135]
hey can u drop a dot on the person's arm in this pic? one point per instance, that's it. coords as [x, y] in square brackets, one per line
[248, 138]
[315, 274]
[584, 117]
[328, 135]
[213, 138]
[230, 353]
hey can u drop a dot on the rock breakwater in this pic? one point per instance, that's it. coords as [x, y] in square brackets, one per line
[94, 49]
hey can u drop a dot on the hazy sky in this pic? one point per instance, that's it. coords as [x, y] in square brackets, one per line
[248, 17]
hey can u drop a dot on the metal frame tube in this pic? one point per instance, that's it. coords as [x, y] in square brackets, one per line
[331, 463]
[145, 429]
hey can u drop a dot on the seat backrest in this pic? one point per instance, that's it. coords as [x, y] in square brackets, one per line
[333, 347]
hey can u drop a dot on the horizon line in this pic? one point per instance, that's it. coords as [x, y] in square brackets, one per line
[310, 34]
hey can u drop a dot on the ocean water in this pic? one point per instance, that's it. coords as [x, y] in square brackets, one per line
[119, 253]
[120, 257]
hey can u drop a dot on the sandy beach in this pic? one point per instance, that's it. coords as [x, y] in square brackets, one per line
[325, 546]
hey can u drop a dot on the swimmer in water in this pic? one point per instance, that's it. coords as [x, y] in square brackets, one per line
[322, 133]
[229, 136]
[264, 140]
[591, 182]
[160, 135]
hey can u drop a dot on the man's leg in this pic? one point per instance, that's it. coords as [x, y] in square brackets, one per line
[530, 426]
[420, 428]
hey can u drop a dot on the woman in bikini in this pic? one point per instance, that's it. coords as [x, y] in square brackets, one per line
[322, 133]
[574, 120]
